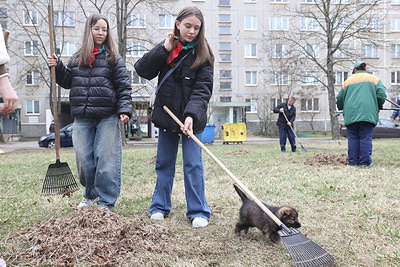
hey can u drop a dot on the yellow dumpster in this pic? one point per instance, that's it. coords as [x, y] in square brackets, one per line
[234, 132]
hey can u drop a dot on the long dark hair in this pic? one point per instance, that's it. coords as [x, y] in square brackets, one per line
[203, 50]
[84, 54]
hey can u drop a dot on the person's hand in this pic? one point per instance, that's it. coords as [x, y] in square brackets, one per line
[187, 126]
[52, 60]
[289, 123]
[9, 96]
[124, 117]
[392, 119]
[281, 110]
[170, 41]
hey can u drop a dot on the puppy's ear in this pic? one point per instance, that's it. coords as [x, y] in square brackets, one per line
[285, 211]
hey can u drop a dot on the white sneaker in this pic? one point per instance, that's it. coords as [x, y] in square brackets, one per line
[86, 203]
[157, 216]
[199, 222]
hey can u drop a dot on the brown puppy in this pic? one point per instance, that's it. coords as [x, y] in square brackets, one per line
[251, 215]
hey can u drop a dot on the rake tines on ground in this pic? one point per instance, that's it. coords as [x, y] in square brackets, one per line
[59, 178]
[303, 251]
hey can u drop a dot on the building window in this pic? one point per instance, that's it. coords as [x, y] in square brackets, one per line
[224, 18]
[225, 86]
[308, 1]
[224, 2]
[309, 105]
[278, 1]
[369, 51]
[65, 49]
[340, 77]
[278, 78]
[395, 24]
[341, 24]
[31, 48]
[30, 18]
[32, 77]
[309, 78]
[250, 50]
[278, 23]
[136, 20]
[371, 24]
[225, 99]
[225, 46]
[166, 21]
[253, 106]
[250, 23]
[395, 77]
[136, 79]
[251, 78]
[62, 18]
[395, 51]
[395, 2]
[342, 52]
[225, 74]
[225, 58]
[135, 49]
[224, 30]
[279, 51]
[274, 103]
[308, 24]
[32, 107]
[340, 1]
[310, 51]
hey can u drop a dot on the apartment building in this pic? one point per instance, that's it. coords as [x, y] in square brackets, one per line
[254, 69]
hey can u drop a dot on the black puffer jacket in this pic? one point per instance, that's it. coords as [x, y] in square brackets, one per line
[290, 114]
[186, 92]
[100, 91]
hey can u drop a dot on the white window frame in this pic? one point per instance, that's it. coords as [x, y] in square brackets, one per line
[225, 57]
[31, 48]
[228, 86]
[64, 18]
[136, 21]
[341, 53]
[251, 78]
[309, 51]
[395, 2]
[343, 24]
[395, 77]
[253, 108]
[279, 51]
[65, 48]
[166, 21]
[309, 105]
[225, 46]
[224, 18]
[340, 77]
[32, 107]
[279, 78]
[224, 2]
[136, 79]
[30, 18]
[278, 23]
[308, 24]
[395, 50]
[250, 50]
[395, 24]
[32, 76]
[369, 51]
[371, 24]
[309, 78]
[135, 49]
[225, 74]
[250, 23]
[224, 30]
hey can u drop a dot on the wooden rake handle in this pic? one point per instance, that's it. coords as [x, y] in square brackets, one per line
[230, 174]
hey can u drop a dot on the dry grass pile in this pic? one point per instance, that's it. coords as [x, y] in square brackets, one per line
[327, 159]
[95, 236]
[238, 152]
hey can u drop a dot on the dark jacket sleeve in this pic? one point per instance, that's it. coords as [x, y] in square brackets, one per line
[277, 108]
[201, 94]
[150, 64]
[63, 74]
[122, 84]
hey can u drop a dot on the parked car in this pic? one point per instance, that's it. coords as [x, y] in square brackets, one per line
[65, 138]
[384, 129]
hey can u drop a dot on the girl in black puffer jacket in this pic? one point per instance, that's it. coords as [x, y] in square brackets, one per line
[186, 92]
[100, 97]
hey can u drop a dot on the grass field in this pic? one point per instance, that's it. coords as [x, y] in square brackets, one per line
[352, 212]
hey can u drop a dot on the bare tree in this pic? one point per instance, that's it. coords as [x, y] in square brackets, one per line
[334, 25]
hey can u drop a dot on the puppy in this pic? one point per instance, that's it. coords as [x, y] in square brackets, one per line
[251, 215]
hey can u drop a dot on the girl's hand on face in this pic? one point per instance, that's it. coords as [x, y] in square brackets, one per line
[170, 40]
[52, 60]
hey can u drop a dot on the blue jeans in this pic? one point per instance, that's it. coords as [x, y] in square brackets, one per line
[286, 132]
[167, 151]
[98, 149]
[360, 143]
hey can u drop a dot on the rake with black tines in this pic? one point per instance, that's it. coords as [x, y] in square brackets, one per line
[59, 178]
[304, 252]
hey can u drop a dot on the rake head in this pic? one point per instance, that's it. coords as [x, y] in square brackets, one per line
[304, 252]
[59, 180]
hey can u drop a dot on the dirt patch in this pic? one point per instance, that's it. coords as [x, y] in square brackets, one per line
[91, 236]
[327, 159]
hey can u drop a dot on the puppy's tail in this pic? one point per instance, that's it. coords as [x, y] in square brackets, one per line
[240, 192]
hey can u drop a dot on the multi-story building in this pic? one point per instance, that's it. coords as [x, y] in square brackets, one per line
[256, 64]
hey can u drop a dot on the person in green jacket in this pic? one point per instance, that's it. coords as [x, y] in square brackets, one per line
[361, 97]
